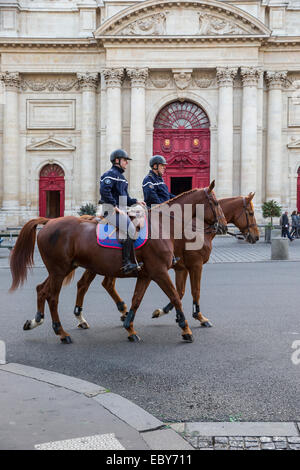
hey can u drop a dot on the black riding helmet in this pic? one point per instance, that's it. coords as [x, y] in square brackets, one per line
[119, 153]
[157, 160]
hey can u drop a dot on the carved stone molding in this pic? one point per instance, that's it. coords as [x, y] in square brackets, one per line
[203, 79]
[211, 25]
[49, 84]
[226, 75]
[113, 77]
[182, 79]
[151, 25]
[12, 80]
[276, 80]
[250, 76]
[138, 77]
[160, 79]
[88, 80]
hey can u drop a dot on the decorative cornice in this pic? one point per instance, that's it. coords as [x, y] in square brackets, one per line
[51, 144]
[12, 80]
[113, 77]
[250, 76]
[276, 80]
[88, 80]
[138, 77]
[226, 75]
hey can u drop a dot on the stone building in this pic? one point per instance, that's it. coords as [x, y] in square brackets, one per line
[212, 85]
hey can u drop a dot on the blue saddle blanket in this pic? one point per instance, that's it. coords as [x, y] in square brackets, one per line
[107, 236]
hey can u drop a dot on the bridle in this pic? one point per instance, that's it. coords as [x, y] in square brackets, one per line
[245, 210]
[217, 224]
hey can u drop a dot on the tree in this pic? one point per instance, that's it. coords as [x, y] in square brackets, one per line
[271, 209]
[87, 209]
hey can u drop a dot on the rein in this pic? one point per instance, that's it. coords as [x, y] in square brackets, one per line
[247, 213]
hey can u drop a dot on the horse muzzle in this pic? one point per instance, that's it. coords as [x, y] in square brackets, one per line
[220, 229]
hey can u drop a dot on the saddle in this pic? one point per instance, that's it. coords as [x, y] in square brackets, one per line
[108, 235]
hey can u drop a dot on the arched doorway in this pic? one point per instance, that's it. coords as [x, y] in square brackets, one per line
[52, 191]
[182, 136]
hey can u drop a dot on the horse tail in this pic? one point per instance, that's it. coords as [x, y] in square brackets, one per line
[22, 254]
[69, 278]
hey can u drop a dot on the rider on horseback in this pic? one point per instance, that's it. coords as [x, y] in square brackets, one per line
[113, 185]
[155, 189]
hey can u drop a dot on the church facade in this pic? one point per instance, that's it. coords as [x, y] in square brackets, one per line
[212, 85]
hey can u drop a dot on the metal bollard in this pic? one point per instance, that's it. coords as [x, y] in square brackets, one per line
[280, 248]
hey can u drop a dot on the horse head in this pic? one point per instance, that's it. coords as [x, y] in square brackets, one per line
[213, 213]
[245, 220]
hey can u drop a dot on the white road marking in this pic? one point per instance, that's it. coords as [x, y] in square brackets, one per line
[97, 442]
[2, 353]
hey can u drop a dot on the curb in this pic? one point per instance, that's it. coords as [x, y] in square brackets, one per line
[153, 431]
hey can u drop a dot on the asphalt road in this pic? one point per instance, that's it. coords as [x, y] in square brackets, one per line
[241, 369]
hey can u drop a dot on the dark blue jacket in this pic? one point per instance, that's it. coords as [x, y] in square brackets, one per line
[155, 189]
[112, 185]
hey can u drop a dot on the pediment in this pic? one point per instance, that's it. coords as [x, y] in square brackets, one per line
[295, 144]
[189, 18]
[50, 144]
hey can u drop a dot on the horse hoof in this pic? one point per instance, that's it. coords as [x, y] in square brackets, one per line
[188, 338]
[157, 313]
[83, 326]
[123, 317]
[66, 340]
[27, 325]
[134, 339]
[206, 324]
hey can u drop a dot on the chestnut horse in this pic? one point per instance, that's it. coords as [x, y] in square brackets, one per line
[68, 242]
[237, 210]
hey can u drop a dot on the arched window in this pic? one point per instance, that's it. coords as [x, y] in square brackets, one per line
[181, 115]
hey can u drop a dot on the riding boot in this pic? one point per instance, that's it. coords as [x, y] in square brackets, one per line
[128, 253]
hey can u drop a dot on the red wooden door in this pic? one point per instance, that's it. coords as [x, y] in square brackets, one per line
[182, 136]
[52, 181]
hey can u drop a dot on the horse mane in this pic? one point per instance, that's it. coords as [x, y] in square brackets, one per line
[175, 198]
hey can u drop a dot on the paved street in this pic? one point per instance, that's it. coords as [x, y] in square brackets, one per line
[241, 369]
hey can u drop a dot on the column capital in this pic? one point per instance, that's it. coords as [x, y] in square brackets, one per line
[276, 80]
[88, 80]
[250, 75]
[137, 76]
[12, 80]
[225, 75]
[113, 77]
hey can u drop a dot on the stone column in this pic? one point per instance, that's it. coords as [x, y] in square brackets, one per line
[138, 79]
[275, 82]
[225, 77]
[10, 201]
[113, 78]
[88, 83]
[250, 77]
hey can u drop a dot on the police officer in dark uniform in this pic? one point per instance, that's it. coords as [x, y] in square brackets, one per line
[113, 185]
[154, 188]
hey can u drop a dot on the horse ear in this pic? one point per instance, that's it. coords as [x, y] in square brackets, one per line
[211, 186]
[250, 197]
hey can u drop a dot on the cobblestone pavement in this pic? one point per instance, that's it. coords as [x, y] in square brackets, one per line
[243, 443]
[229, 250]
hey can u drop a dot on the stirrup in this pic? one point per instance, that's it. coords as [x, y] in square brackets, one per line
[131, 267]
